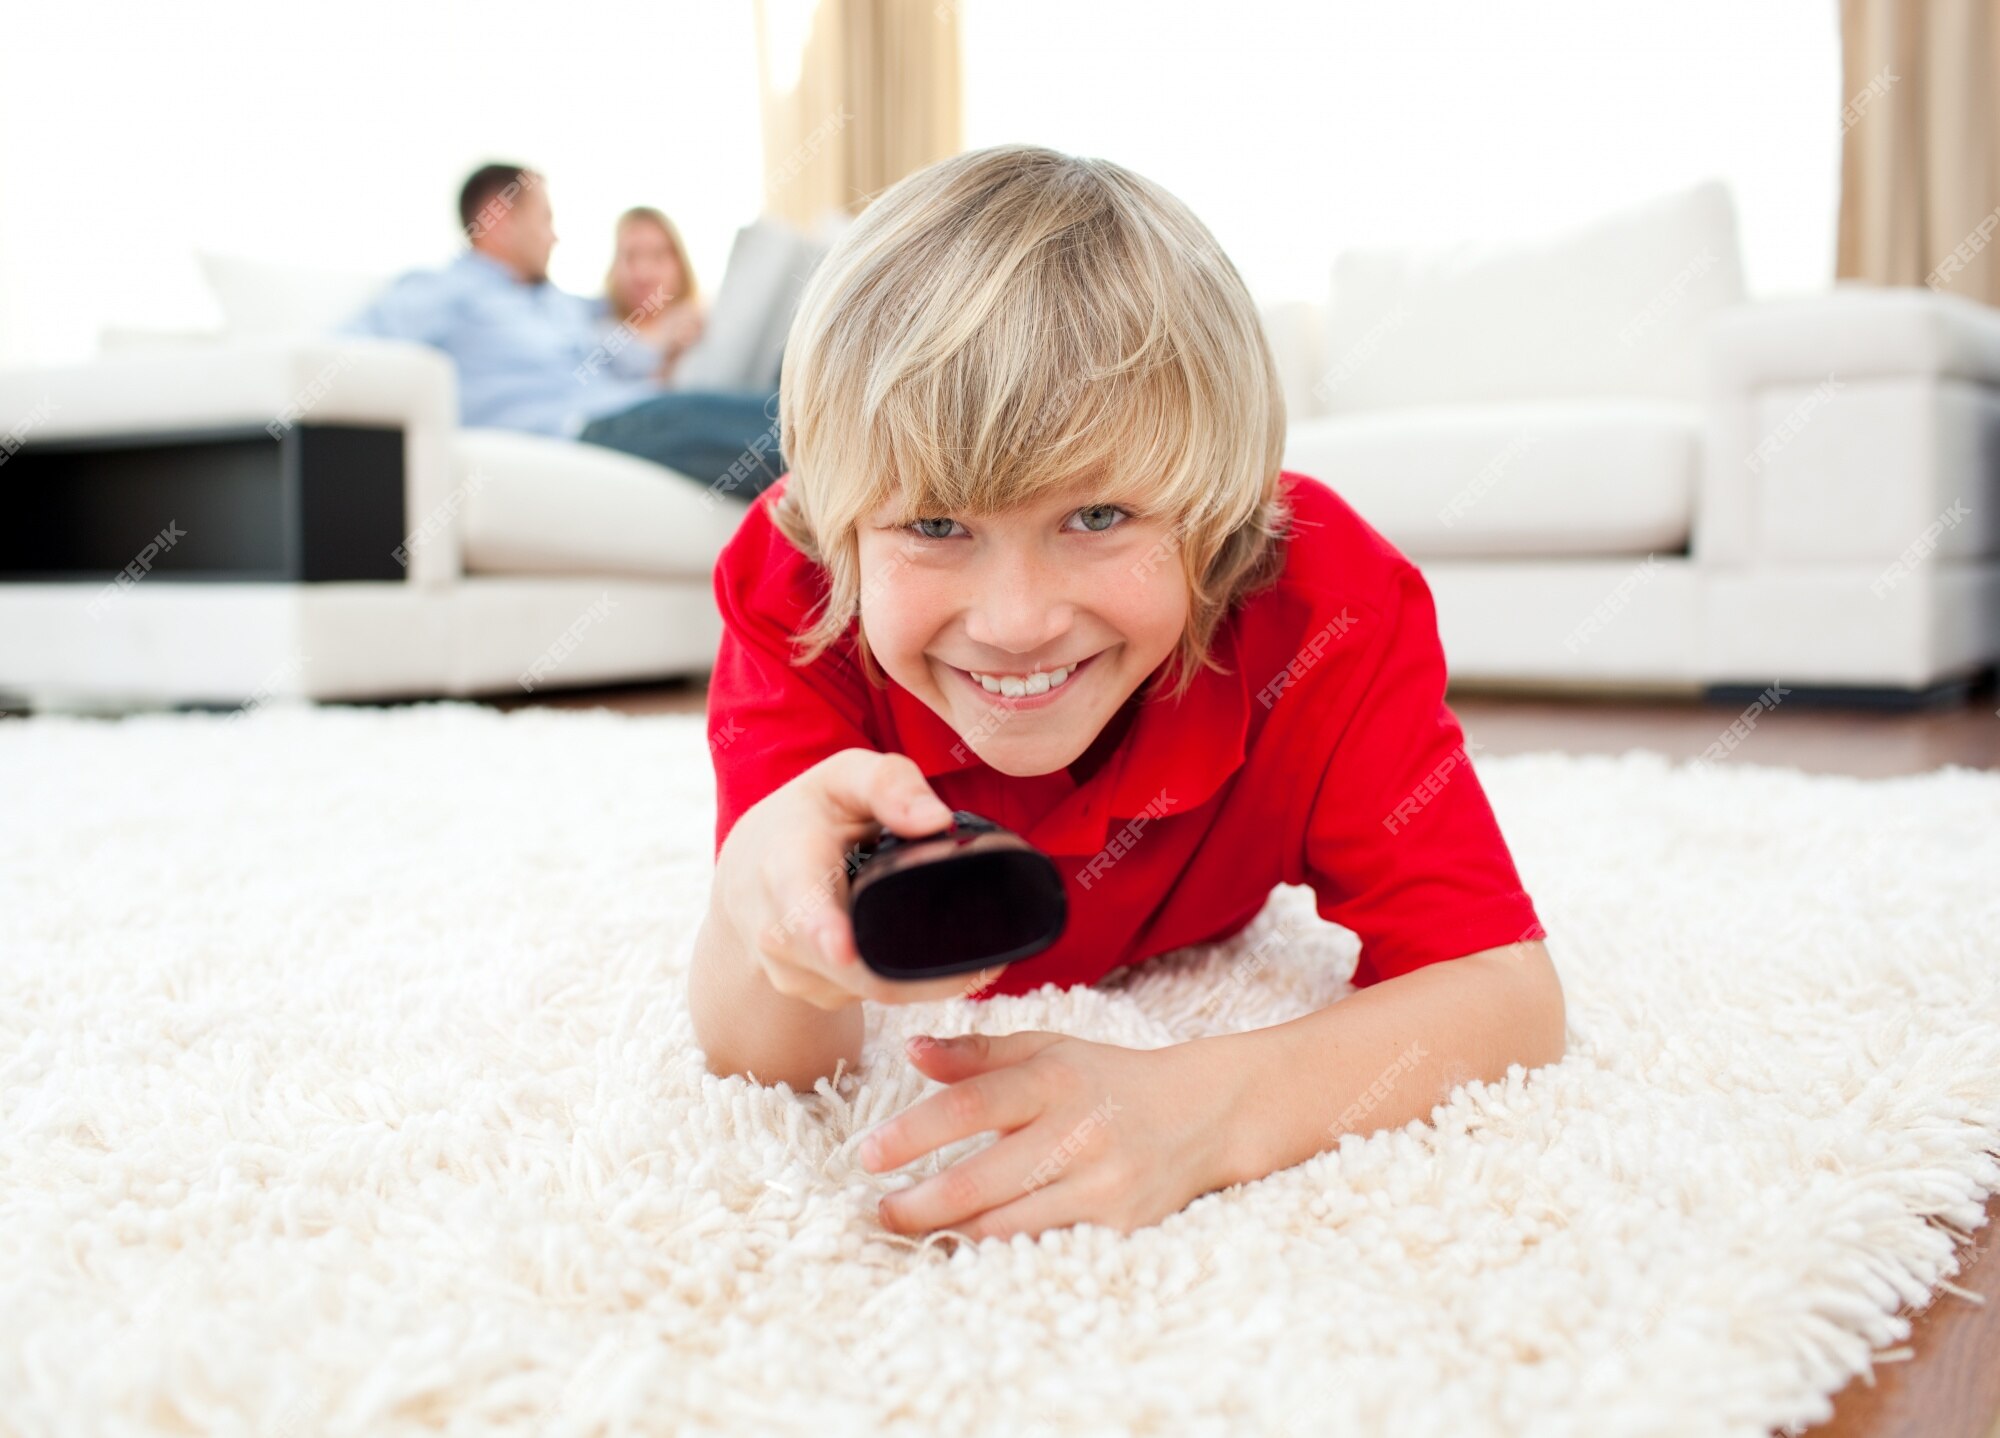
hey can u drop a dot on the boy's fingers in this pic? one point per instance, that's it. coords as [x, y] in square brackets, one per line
[888, 789]
[806, 903]
[833, 935]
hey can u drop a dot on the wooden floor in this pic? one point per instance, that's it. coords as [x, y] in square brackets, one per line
[1950, 1387]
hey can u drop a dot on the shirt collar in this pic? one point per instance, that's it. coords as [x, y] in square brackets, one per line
[1174, 756]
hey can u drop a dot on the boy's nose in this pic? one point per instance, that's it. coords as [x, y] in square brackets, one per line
[1021, 612]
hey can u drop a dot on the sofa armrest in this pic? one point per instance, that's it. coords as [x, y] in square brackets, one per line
[1851, 425]
[1855, 330]
[243, 386]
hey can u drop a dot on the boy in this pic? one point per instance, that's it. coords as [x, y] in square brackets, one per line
[1035, 557]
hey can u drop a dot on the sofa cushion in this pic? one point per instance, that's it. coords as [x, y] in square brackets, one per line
[1528, 480]
[1614, 308]
[536, 505]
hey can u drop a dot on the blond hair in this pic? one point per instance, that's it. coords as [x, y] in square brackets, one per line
[1013, 322]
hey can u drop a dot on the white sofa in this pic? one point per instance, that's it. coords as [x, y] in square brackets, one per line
[513, 562]
[1618, 473]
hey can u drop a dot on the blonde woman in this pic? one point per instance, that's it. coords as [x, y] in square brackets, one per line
[650, 297]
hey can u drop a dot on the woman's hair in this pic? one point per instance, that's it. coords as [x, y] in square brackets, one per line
[1013, 321]
[651, 216]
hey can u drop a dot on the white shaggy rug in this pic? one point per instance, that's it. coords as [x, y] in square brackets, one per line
[346, 1086]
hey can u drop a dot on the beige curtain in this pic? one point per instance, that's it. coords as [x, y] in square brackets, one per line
[1920, 146]
[857, 94]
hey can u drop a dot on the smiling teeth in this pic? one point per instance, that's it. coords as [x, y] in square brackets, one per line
[1037, 683]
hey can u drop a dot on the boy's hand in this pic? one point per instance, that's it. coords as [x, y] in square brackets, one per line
[1089, 1133]
[781, 877]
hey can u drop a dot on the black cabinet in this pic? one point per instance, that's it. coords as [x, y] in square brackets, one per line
[313, 504]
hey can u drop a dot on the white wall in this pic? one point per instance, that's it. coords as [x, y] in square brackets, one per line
[1294, 128]
[133, 133]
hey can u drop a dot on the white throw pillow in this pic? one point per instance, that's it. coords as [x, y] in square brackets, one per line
[258, 297]
[1613, 307]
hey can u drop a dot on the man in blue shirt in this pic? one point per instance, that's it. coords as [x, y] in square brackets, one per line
[523, 349]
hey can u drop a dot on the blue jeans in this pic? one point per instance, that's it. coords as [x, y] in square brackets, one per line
[727, 441]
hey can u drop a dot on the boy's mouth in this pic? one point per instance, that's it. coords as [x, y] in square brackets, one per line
[1032, 691]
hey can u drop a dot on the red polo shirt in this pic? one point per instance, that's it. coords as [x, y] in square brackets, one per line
[1326, 757]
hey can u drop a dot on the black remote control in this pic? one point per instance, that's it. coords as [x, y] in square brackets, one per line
[972, 896]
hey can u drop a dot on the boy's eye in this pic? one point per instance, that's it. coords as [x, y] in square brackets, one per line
[1109, 513]
[918, 525]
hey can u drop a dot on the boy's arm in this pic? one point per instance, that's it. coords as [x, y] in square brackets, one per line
[1402, 847]
[768, 721]
[745, 1026]
[1385, 1054]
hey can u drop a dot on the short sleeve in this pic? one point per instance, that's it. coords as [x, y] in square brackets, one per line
[1402, 846]
[770, 720]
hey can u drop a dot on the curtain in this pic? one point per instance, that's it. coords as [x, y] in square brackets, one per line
[1920, 145]
[856, 95]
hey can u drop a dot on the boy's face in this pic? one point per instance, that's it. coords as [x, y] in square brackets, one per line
[1071, 580]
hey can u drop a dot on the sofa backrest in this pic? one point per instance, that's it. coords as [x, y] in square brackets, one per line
[1614, 307]
[744, 337]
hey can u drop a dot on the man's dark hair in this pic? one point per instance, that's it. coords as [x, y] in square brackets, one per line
[483, 186]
